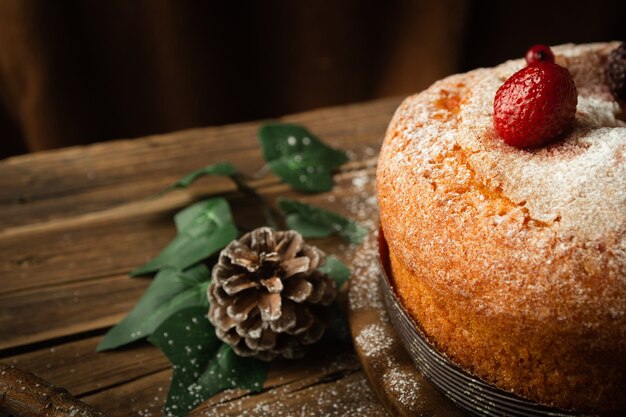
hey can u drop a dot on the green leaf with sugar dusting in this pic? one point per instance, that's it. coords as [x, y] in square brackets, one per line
[335, 269]
[298, 157]
[171, 291]
[203, 365]
[224, 169]
[315, 222]
[203, 229]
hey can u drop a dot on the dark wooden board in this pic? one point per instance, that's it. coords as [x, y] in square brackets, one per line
[74, 222]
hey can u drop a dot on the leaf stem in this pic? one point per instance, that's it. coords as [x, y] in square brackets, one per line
[272, 216]
[262, 172]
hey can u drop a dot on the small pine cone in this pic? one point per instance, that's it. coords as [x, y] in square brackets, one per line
[267, 296]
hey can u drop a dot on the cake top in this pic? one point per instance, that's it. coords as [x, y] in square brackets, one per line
[577, 185]
[578, 182]
[474, 214]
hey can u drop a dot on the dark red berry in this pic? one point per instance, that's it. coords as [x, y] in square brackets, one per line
[616, 71]
[539, 53]
[535, 105]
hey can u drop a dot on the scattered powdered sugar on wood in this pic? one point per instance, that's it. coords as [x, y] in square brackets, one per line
[345, 395]
[377, 341]
[360, 204]
[405, 385]
[364, 285]
[374, 340]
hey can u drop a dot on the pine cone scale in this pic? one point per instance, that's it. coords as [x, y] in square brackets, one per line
[225, 323]
[273, 284]
[295, 266]
[252, 326]
[241, 256]
[269, 305]
[315, 255]
[318, 292]
[217, 292]
[304, 320]
[228, 337]
[287, 319]
[298, 289]
[289, 248]
[265, 342]
[237, 284]
[263, 240]
[242, 305]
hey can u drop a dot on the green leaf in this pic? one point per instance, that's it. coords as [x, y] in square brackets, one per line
[315, 222]
[170, 292]
[219, 169]
[335, 269]
[203, 365]
[298, 157]
[203, 229]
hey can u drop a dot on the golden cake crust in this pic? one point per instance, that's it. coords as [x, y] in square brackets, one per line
[512, 261]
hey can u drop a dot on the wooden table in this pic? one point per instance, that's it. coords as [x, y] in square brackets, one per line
[74, 222]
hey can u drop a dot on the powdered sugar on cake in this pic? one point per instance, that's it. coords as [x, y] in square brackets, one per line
[578, 181]
[563, 201]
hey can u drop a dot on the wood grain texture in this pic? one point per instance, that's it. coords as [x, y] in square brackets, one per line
[56, 311]
[76, 277]
[57, 184]
[326, 383]
[23, 394]
[65, 364]
[74, 222]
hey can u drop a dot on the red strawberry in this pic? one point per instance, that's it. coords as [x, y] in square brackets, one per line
[535, 105]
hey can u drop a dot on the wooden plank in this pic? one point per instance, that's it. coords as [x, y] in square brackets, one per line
[142, 397]
[91, 294]
[326, 378]
[62, 310]
[77, 367]
[100, 198]
[58, 184]
[96, 199]
[116, 241]
[45, 173]
[82, 251]
[348, 396]
[174, 200]
[68, 171]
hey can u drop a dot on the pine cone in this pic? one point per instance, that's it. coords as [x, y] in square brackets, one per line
[267, 296]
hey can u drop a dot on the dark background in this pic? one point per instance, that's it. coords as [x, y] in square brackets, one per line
[75, 72]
